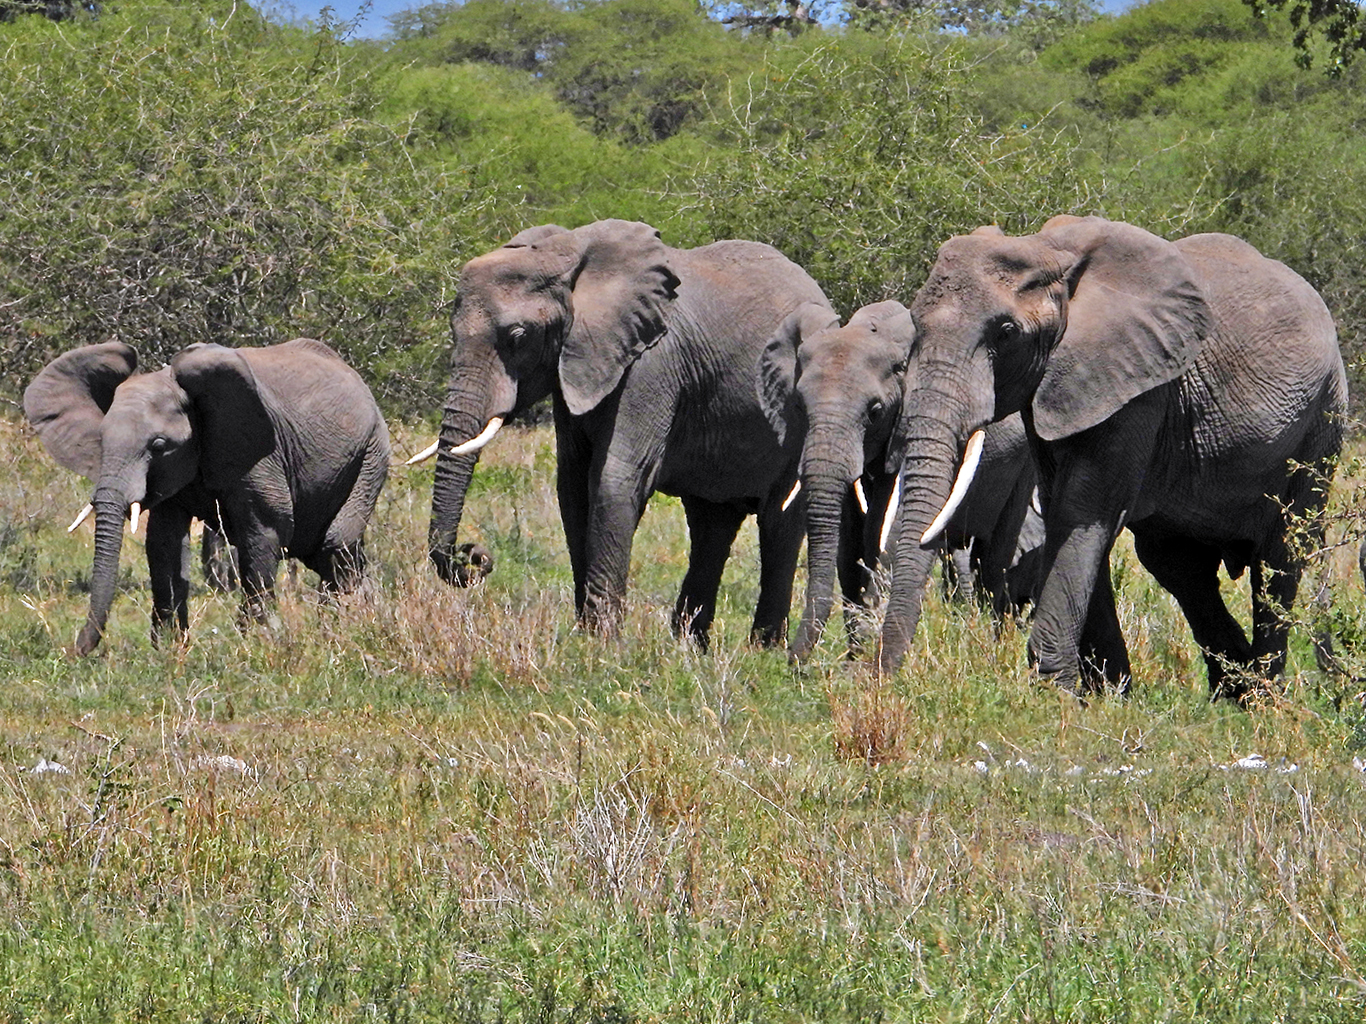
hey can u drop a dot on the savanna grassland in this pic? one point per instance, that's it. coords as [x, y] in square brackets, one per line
[422, 804]
[428, 804]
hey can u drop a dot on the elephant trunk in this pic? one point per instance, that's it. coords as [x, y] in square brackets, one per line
[111, 510]
[827, 502]
[463, 419]
[930, 466]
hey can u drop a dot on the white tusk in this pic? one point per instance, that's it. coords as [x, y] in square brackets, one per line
[890, 517]
[82, 517]
[792, 496]
[971, 457]
[134, 511]
[485, 436]
[858, 493]
[425, 454]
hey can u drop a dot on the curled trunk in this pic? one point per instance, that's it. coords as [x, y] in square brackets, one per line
[462, 420]
[111, 510]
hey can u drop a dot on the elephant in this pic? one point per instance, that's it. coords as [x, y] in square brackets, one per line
[1191, 391]
[840, 388]
[281, 448]
[648, 353]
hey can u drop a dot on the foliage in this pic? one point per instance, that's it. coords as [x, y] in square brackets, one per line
[858, 158]
[172, 174]
[1337, 21]
[633, 69]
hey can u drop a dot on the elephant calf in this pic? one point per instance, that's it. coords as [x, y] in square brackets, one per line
[841, 389]
[283, 449]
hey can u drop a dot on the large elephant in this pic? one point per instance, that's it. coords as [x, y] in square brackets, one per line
[1192, 391]
[283, 448]
[649, 354]
[841, 389]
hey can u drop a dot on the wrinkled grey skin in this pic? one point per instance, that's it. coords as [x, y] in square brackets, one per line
[841, 390]
[649, 353]
[1169, 387]
[280, 448]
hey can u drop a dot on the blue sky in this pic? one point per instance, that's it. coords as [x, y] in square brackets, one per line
[374, 25]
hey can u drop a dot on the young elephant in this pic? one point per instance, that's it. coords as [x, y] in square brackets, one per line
[282, 448]
[1191, 391]
[841, 390]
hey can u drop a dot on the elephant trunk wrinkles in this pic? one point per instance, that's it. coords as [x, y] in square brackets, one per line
[111, 509]
[927, 476]
[825, 504]
[463, 419]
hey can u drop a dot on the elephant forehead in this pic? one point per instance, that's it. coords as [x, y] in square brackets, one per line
[982, 275]
[152, 397]
[510, 270]
[851, 364]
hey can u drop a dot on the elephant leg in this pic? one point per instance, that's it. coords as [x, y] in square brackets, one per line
[957, 569]
[168, 560]
[1103, 655]
[573, 467]
[616, 504]
[1075, 556]
[712, 527]
[259, 551]
[1189, 571]
[780, 546]
[339, 569]
[856, 567]
[1091, 480]
[218, 559]
[1275, 582]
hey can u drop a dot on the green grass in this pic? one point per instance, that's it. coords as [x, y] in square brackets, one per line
[423, 804]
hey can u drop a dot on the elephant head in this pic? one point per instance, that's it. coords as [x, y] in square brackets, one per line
[144, 438]
[1065, 326]
[551, 312]
[841, 387]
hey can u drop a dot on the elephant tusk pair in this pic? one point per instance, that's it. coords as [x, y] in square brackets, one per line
[134, 511]
[971, 457]
[472, 445]
[797, 488]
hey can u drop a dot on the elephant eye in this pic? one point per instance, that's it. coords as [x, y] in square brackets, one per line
[516, 332]
[900, 367]
[875, 408]
[159, 444]
[1007, 329]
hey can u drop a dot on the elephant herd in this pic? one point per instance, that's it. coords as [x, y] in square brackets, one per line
[1041, 393]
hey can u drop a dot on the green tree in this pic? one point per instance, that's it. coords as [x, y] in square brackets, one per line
[172, 174]
[858, 157]
[1337, 21]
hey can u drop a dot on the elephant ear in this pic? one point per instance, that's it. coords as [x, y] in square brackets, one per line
[1135, 320]
[623, 286]
[234, 424]
[67, 401]
[776, 372]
